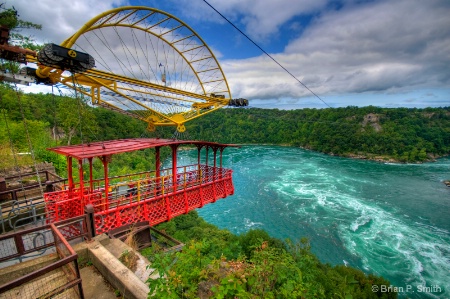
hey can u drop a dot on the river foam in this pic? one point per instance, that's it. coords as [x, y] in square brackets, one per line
[387, 219]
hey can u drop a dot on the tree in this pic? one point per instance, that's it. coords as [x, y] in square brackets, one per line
[9, 18]
[74, 115]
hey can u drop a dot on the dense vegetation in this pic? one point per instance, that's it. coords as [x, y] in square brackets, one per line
[217, 264]
[407, 135]
[52, 120]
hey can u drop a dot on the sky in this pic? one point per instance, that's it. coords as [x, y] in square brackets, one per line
[386, 53]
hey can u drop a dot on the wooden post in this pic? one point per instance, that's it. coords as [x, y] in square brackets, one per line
[3, 189]
[90, 223]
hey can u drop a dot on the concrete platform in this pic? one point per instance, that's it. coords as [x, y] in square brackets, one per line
[95, 286]
[116, 273]
[103, 276]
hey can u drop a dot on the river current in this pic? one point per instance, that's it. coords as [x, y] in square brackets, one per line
[388, 219]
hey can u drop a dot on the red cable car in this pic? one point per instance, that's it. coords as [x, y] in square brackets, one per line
[154, 196]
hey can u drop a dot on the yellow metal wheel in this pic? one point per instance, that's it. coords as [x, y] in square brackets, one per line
[149, 65]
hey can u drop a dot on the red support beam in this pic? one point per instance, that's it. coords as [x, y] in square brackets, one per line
[174, 166]
[157, 169]
[220, 174]
[91, 186]
[215, 159]
[214, 174]
[81, 180]
[69, 172]
[158, 161]
[104, 160]
[221, 152]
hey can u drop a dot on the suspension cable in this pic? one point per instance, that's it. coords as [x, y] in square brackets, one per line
[268, 55]
[80, 120]
[54, 129]
[27, 133]
[9, 136]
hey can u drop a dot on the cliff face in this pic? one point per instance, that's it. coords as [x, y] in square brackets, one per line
[42, 166]
[372, 120]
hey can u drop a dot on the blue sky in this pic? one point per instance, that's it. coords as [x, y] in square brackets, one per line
[393, 53]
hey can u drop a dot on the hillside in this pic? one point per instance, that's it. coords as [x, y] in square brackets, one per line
[235, 265]
[400, 134]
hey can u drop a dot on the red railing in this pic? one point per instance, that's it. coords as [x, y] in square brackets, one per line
[152, 199]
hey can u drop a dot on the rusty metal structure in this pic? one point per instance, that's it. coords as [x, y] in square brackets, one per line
[60, 276]
[22, 203]
[153, 196]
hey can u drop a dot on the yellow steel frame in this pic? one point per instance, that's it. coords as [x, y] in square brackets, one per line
[96, 79]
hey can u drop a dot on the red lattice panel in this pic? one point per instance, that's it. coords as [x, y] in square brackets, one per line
[177, 204]
[62, 210]
[208, 194]
[220, 190]
[194, 199]
[96, 199]
[51, 200]
[104, 222]
[129, 215]
[156, 211]
[229, 186]
[158, 203]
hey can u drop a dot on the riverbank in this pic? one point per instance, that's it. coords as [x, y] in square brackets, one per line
[251, 264]
[357, 156]
[378, 217]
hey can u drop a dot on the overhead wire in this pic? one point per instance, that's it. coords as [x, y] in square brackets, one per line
[80, 119]
[267, 54]
[27, 134]
[9, 135]
[16, 163]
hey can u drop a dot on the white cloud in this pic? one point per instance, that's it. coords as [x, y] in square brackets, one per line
[60, 19]
[261, 18]
[380, 46]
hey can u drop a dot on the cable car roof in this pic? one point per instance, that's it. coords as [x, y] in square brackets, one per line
[110, 147]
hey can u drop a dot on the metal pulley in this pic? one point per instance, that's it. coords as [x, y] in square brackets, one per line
[53, 55]
[238, 102]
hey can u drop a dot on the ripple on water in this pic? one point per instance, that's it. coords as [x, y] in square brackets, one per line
[372, 215]
[388, 243]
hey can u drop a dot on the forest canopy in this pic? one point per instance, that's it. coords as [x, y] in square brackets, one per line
[401, 134]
